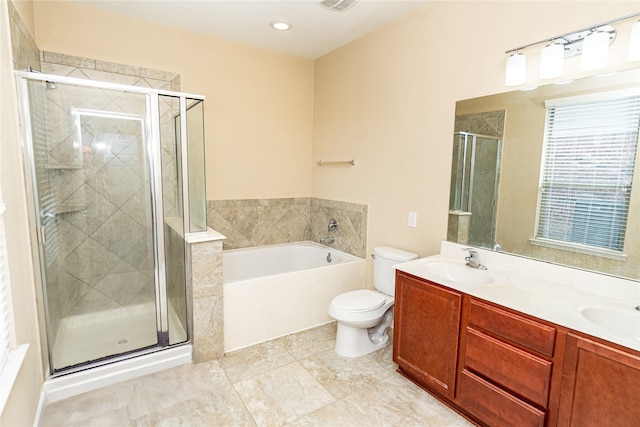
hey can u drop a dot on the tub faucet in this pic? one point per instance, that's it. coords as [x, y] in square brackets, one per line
[473, 260]
[330, 239]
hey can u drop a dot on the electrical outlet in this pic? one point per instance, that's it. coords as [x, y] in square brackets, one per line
[413, 218]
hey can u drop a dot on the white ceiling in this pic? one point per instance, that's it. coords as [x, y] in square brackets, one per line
[315, 30]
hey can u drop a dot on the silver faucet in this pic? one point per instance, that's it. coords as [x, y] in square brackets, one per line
[473, 260]
[329, 239]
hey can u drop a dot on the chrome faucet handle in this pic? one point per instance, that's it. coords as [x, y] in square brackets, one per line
[473, 260]
[473, 252]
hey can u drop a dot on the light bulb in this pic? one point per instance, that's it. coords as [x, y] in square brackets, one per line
[280, 26]
[516, 71]
[595, 51]
[551, 61]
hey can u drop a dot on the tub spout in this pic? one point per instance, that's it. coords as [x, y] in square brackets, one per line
[330, 239]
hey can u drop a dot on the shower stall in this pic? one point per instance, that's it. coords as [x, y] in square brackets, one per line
[117, 178]
[474, 184]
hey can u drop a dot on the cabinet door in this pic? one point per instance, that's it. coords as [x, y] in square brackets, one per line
[600, 385]
[426, 330]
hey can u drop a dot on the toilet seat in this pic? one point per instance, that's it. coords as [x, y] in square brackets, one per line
[359, 301]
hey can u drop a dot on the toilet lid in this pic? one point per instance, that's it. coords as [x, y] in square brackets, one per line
[363, 300]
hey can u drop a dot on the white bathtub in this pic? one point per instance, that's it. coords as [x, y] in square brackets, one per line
[271, 291]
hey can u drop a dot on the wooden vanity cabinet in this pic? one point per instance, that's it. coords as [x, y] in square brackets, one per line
[499, 367]
[600, 385]
[426, 331]
[506, 367]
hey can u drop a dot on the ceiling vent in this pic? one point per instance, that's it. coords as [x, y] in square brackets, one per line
[337, 5]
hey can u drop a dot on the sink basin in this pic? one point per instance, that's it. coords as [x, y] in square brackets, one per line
[454, 271]
[617, 317]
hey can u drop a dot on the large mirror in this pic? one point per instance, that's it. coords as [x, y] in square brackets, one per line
[506, 147]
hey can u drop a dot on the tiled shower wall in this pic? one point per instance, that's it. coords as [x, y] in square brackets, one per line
[259, 222]
[93, 69]
[25, 51]
[490, 123]
[86, 203]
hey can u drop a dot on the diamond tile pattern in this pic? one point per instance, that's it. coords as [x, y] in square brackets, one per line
[92, 172]
[258, 222]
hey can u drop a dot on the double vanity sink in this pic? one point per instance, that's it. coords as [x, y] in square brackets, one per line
[521, 342]
[608, 318]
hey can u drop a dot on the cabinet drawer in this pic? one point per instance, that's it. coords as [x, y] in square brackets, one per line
[519, 330]
[494, 406]
[512, 368]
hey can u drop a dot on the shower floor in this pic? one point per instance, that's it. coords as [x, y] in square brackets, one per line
[86, 337]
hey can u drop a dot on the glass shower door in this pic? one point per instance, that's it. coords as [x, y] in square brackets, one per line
[474, 184]
[482, 201]
[92, 177]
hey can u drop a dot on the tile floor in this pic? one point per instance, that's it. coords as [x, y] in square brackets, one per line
[297, 380]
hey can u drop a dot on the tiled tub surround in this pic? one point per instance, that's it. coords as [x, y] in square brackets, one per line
[260, 222]
[296, 380]
[351, 236]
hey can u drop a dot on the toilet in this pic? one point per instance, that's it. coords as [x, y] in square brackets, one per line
[363, 316]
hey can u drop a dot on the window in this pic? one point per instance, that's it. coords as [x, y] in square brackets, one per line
[587, 171]
[4, 298]
[11, 359]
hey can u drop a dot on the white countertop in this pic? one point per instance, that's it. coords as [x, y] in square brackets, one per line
[546, 291]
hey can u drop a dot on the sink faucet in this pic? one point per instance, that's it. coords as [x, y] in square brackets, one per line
[329, 239]
[473, 260]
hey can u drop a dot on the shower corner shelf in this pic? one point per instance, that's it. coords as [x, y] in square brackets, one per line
[61, 167]
[68, 209]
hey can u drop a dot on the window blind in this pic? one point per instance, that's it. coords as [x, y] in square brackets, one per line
[587, 171]
[4, 297]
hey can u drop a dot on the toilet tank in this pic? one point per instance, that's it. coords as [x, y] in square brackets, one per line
[384, 275]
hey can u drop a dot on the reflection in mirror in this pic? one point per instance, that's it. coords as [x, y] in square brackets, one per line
[474, 186]
[518, 120]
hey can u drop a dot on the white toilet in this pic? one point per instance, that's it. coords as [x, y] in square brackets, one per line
[363, 316]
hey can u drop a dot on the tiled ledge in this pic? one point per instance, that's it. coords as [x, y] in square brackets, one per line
[204, 236]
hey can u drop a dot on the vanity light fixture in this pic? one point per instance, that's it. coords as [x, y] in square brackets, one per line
[280, 26]
[591, 42]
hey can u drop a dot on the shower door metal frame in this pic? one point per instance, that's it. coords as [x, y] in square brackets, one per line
[474, 137]
[153, 147]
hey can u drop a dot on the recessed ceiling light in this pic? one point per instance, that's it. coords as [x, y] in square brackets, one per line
[280, 26]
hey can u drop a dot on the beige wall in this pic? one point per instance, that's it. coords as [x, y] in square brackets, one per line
[25, 10]
[388, 100]
[23, 401]
[258, 112]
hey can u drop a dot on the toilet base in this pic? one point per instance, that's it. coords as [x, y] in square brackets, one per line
[355, 342]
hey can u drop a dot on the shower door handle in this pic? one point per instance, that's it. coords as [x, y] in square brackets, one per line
[40, 235]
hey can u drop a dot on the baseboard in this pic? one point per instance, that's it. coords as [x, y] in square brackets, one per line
[42, 404]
